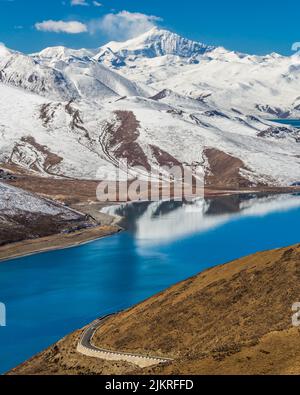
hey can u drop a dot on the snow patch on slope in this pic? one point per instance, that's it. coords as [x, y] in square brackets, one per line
[14, 200]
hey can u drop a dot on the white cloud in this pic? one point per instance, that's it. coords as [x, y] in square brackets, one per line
[115, 26]
[71, 27]
[85, 3]
[79, 2]
[123, 25]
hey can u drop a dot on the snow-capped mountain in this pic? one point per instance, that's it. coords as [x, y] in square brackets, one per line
[62, 74]
[155, 100]
[25, 72]
[262, 85]
[157, 42]
[64, 54]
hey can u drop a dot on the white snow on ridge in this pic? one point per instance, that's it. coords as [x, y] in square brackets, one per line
[64, 54]
[65, 76]
[14, 200]
[157, 42]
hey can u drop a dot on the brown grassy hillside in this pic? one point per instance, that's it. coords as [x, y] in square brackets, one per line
[232, 319]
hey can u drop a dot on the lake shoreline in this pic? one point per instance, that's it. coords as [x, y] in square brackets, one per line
[56, 242]
[115, 273]
[61, 241]
[254, 355]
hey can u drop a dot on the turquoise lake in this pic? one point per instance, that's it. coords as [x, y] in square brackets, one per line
[292, 122]
[52, 294]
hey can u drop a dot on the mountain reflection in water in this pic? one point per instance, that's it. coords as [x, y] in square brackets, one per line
[161, 222]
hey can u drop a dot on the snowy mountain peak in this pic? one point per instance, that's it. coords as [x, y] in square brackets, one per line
[158, 99]
[158, 42]
[4, 51]
[63, 53]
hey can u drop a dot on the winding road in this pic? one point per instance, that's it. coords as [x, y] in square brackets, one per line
[86, 347]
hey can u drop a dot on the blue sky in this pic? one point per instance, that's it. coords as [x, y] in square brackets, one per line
[257, 26]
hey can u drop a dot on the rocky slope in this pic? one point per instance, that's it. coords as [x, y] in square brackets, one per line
[24, 215]
[231, 319]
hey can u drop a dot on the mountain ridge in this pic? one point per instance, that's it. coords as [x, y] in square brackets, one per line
[209, 100]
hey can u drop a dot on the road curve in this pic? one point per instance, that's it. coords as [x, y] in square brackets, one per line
[86, 347]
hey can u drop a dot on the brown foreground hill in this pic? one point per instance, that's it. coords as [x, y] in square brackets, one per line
[231, 319]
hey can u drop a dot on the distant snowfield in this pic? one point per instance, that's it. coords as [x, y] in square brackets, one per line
[252, 84]
[65, 112]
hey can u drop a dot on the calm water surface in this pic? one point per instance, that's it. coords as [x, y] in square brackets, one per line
[293, 122]
[51, 294]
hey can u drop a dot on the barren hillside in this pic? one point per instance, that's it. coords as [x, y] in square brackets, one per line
[232, 319]
[24, 215]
